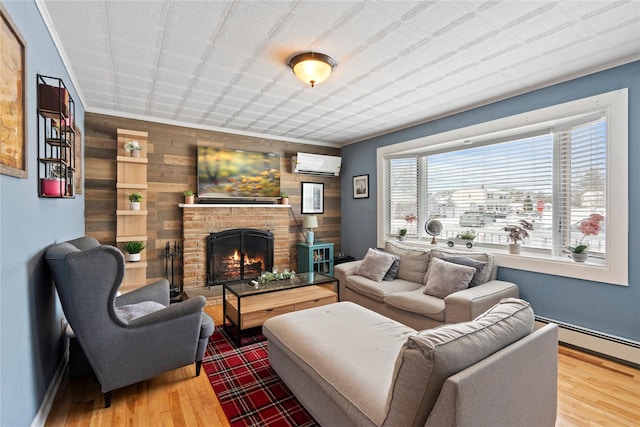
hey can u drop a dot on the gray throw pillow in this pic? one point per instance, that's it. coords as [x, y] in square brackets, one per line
[463, 260]
[487, 257]
[392, 273]
[435, 354]
[446, 278]
[375, 265]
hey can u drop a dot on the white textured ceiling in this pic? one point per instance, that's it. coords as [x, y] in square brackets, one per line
[223, 64]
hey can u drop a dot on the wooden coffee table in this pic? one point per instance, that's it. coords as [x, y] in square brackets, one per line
[247, 306]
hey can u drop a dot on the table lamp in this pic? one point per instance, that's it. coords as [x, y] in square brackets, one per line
[310, 222]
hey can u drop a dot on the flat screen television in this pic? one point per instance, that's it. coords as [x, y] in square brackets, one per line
[237, 174]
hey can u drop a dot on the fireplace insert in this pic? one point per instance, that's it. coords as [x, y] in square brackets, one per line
[238, 254]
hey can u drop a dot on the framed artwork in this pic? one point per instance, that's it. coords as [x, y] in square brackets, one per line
[361, 187]
[312, 198]
[13, 121]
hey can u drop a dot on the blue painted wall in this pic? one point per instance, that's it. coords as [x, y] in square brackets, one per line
[607, 308]
[31, 344]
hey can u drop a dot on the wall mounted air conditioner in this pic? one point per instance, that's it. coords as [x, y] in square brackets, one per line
[316, 164]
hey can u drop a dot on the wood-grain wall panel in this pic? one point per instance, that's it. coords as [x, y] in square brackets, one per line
[172, 170]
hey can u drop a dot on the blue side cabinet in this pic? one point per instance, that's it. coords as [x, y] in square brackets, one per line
[317, 258]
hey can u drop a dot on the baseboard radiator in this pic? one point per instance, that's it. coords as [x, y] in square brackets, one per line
[617, 348]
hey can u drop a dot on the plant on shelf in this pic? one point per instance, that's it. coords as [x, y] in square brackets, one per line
[135, 197]
[189, 197]
[588, 227]
[284, 198]
[133, 148]
[133, 250]
[134, 201]
[516, 233]
[134, 247]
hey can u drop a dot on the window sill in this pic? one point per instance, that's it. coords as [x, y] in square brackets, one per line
[594, 269]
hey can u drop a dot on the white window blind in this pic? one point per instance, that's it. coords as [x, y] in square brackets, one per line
[503, 181]
[554, 179]
[582, 157]
[403, 194]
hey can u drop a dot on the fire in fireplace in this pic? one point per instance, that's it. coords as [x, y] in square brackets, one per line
[238, 254]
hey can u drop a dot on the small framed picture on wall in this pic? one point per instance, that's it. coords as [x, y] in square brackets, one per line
[312, 198]
[361, 187]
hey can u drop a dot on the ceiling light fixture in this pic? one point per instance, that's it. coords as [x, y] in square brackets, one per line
[312, 67]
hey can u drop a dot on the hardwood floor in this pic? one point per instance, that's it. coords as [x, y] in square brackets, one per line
[176, 398]
[592, 391]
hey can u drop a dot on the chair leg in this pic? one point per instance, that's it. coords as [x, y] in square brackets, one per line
[107, 399]
[198, 366]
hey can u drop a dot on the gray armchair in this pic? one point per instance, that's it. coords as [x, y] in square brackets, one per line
[126, 338]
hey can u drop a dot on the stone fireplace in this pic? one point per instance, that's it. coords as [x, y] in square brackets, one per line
[238, 254]
[200, 220]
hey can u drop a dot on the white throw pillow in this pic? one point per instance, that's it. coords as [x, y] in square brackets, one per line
[446, 278]
[375, 265]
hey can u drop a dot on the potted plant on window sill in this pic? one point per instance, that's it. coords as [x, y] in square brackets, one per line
[134, 201]
[516, 234]
[402, 234]
[409, 219]
[133, 250]
[588, 227]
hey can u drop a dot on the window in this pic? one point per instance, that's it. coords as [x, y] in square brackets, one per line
[551, 167]
[403, 200]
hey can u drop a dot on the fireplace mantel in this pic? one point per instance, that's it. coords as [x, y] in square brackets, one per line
[232, 205]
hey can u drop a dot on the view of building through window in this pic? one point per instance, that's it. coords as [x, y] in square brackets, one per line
[554, 179]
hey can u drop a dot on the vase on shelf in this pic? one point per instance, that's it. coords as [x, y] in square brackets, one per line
[52, 186]
[579, 257]
[134, 206]
[514, 248]
[133, 257]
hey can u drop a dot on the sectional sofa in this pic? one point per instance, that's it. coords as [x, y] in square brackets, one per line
[350, 366]
[423, 287]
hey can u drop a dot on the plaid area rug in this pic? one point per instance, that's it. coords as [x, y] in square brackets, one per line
[249, 391]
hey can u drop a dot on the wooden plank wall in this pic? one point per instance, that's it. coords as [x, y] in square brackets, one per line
[172, 170]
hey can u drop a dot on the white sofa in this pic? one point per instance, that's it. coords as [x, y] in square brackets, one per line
[350, 366]
[404, 298]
